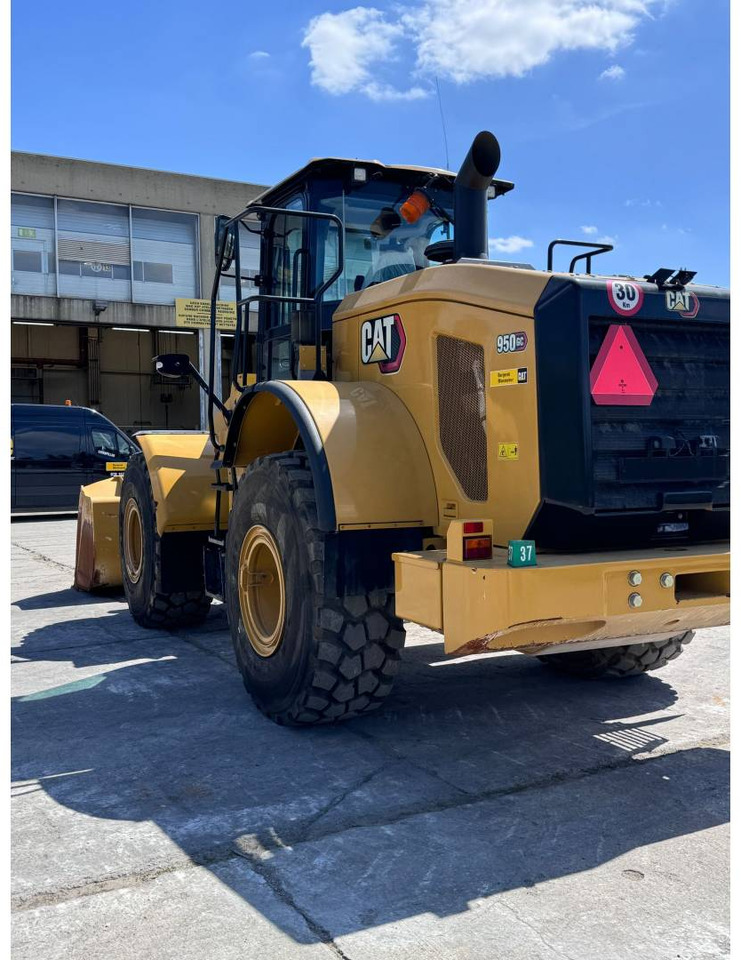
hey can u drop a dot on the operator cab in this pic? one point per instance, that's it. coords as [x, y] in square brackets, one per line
[394, 220]
[390, 215]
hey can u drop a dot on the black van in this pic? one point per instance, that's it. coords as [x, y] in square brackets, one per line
[57, 449]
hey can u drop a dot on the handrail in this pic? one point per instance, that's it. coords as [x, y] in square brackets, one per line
[241, 336]
[595, 251]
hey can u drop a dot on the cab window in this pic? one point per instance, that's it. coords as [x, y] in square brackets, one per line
[289, 260]
[388, 226]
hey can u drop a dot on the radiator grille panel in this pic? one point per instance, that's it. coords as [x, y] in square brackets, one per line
[462, 412]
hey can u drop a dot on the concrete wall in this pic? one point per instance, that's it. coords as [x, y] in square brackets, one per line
[70, 310]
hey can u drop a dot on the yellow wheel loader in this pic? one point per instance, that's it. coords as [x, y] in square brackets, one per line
[522, 459]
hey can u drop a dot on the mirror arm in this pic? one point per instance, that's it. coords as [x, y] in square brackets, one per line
[209, 392]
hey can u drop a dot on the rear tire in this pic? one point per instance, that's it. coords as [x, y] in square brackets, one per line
[139, 549]
[616, 662]
[308, 657]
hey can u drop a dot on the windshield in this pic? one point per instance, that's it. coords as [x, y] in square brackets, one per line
[380, 242]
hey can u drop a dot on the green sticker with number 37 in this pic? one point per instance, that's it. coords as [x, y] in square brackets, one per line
[521, 553]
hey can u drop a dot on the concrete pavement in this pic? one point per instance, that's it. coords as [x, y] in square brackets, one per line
[492, 810]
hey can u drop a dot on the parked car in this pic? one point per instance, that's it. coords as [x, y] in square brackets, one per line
[57, 449]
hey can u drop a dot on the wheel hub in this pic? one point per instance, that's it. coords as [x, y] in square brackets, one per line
[133, 541]
[262, 595]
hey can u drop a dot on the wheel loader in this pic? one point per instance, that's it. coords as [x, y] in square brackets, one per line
[522, 459]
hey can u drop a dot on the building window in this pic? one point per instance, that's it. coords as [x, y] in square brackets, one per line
[98, 271]
[152, 272]
[165, 262]
[32, 243]
[93, 238]
[28, 260]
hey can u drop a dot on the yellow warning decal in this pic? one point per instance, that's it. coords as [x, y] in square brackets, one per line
[503, 378]
[115, 466]
[508, 451]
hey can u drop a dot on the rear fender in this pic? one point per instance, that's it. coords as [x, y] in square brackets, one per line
[368, 460]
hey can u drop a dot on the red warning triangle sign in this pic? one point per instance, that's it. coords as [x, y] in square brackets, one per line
[621, 375]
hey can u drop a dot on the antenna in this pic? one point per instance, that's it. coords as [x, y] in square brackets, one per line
[442, 121]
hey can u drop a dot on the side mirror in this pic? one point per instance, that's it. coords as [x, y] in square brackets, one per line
[224, 263]
[172, 365]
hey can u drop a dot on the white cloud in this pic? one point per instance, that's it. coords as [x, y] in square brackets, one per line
[589, 230]
[615, 72]
[346, 47]
[466, 40]
[259, 55]
[463, 40]
[508, 244]
[384, 91]
[607, 239]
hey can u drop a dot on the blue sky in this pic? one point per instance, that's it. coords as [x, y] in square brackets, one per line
[612, 114]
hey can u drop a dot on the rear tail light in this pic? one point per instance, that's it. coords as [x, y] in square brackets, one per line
[477, 548]
[473, 526]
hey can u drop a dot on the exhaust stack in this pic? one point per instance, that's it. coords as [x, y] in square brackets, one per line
[470, 237]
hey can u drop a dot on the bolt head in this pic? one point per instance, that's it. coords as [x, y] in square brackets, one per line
[635, 578]
[666, 580]
[635, 600]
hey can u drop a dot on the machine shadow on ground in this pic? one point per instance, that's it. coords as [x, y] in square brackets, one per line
[166, 734]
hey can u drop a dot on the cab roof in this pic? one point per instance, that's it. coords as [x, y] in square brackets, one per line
[340, 166]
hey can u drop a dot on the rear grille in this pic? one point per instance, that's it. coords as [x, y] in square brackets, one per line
[690, 360]
[462, 412]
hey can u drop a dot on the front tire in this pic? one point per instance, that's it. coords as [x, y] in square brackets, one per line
[306, 656]
[615, 662]
[141, 559]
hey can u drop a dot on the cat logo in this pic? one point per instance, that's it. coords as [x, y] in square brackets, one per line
[383, 341]
[683, 302]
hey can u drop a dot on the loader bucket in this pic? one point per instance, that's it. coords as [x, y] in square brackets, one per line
[97, 560]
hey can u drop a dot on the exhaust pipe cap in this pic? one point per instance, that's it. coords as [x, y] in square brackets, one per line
[486, 153]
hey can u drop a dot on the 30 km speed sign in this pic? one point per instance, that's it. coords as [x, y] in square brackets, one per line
[625, 298]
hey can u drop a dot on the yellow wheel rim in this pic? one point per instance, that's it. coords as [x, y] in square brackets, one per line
[133, 541]
[262, 594]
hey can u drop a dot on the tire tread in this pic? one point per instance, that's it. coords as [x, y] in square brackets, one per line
[616, 662]
[167, 611]
[353, 669]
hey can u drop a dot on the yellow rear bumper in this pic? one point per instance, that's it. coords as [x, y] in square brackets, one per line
[575, 597]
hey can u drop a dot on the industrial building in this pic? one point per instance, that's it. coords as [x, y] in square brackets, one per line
[100, 255]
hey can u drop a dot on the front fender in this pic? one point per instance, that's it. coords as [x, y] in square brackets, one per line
[182, 479]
